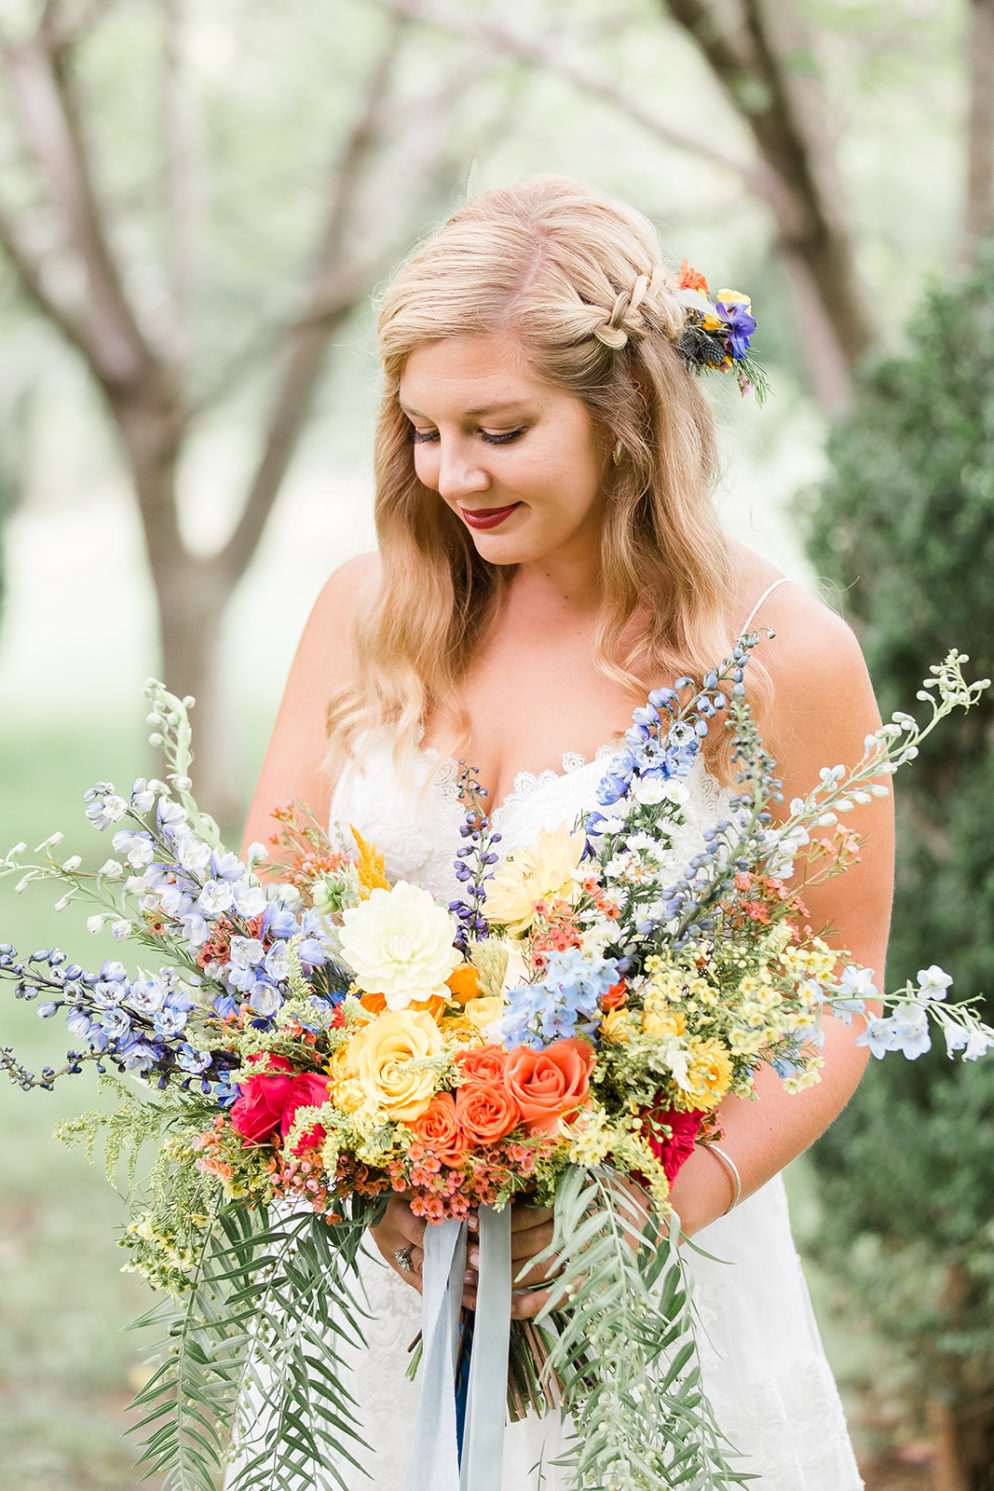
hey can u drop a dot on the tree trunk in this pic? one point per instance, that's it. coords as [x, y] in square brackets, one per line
[978, 214]
[192, 592]
[192, 596]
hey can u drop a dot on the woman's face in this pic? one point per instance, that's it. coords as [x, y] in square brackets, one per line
[519, 462]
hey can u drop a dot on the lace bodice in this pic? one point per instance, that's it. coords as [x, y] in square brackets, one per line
[412, 812]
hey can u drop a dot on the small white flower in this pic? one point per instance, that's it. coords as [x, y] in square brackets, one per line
[121, 930]
[48, 843]
[95, 923]
[246, 951]
[140, 852]
[63, 901]
[250, 900]
[111, 869]
[72, 864]
[215, 898]
[933, 982]
[255, 852]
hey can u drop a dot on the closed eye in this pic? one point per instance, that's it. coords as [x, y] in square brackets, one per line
[491, 437]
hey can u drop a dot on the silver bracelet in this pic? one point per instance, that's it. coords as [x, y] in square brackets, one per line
[714, 1149]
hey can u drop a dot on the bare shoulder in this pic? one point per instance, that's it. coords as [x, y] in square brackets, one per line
[822, 704]
[323, 663]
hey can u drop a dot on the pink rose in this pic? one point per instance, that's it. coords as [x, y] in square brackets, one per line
[258, 1112]
[309, 1090]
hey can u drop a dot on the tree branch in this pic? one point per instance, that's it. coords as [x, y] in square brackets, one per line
[548, 59]
[306, 356]
[30, 274]
[181, 184]
[42, 86]
[788, 120]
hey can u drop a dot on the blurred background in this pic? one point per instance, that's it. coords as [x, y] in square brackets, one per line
[197, 205]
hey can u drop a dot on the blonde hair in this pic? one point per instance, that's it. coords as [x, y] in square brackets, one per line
[578, 280]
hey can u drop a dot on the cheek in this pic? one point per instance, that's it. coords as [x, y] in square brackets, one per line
[426, 465]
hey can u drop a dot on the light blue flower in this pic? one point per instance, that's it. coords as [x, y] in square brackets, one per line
[911, 1030]
[562, 1003]
[216, 898]
[192, 1060]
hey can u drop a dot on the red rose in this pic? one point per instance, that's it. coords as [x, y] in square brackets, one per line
[549, 1085]
[257, 1113]
[684, 1128]
[309, 1090]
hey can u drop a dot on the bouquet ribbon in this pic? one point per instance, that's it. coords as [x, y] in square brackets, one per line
[435, 1460]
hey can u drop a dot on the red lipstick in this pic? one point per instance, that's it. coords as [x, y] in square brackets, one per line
[487, 517]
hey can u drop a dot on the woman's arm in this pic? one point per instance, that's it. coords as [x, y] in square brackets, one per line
[823, 709]
[322, 664]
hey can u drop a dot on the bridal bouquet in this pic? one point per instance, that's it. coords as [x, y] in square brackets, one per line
[563, 1031]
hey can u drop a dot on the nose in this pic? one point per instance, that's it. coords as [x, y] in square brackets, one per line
[459, 471]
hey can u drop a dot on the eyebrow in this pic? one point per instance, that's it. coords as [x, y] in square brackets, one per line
[495, 408]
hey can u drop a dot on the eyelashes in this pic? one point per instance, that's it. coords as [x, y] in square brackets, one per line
[505, 437]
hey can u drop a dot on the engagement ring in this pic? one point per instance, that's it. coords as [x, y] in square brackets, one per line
[402, 1258]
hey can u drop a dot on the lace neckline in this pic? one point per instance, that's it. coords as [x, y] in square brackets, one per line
[524, 784]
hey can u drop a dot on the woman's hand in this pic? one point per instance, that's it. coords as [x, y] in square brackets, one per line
[401, 1232]
[531, 1234]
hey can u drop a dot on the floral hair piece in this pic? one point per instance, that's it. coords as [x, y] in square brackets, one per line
[716, 333]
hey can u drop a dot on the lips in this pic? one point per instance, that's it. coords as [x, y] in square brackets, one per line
[487, 517]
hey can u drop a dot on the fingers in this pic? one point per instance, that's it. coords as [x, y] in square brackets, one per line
[399, 1238]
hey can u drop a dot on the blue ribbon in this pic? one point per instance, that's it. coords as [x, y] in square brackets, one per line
[450, 1454]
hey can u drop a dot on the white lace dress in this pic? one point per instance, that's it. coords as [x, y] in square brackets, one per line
[764, 1365]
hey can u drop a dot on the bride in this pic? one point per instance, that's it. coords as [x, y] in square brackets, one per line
[548, 553]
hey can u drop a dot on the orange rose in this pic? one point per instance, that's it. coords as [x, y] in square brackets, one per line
[438, 1128]
[548, 1085]
[485, 1064]
[486, 1111]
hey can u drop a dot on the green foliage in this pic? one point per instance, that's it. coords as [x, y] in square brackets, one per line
[904, 526]
[255, 1343]
[647, 1423]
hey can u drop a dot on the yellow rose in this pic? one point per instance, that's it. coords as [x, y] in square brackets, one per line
[541, 872]
[381, 1056]
[484, 1011]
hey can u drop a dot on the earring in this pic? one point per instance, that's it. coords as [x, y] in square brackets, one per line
[618, 452]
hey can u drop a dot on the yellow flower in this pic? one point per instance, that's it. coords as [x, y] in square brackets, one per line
[663, 1021]
[484, 1010]
[709, 1073]
[383, 1055]
[541, 872]
[616, 1025]
[733, 297]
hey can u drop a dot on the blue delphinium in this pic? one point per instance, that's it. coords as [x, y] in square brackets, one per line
[563, 1002]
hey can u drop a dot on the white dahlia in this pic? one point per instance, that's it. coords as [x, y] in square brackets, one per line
[399, 944]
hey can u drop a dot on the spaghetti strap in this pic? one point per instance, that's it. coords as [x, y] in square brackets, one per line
[783, 580]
